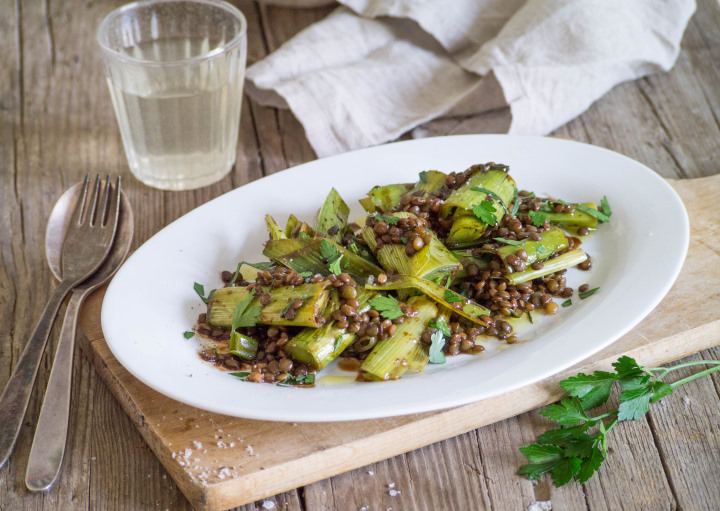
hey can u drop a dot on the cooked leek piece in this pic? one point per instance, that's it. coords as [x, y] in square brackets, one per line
[305, 254]
[294, 227]
[418, 358]
[552, 241]
[467, 257]
[455, 302]
[247, 273]
[384, 198]
[314, 297]
[459, 205]
[466, 231]
[575, 219]
[389, 358]
[317, 347]
[434, 261]
[561, 262]
[332, 217]
[243, 346]
[276, 232]
[430, 181]
[290, 225]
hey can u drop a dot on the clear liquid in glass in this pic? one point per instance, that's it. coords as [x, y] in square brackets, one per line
[179, 124]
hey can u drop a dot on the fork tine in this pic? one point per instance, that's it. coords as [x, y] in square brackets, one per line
[94, 200]
[105, 201]
[77, 214]
[114, 209]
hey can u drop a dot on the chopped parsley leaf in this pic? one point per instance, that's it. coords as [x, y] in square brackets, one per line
[302, 234]
[605, 206]
[189, 334]
[392, 220]
[328, 250]
[441, 324]
[200, 290]
[602, 217]
[306, 274]
[538, 218]
[567, 303]
[452, 297]
[588, 293]
[387, 306]
[244, 315]
[423, 176]
[485, 211]
[334, 265]
[436, 353]
[491, 194]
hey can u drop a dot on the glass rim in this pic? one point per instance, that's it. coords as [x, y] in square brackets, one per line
[215, 52]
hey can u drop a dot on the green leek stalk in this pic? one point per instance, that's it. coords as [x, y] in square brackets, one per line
[290, 225]
[384, 198]
[276, 232]
[243, 346]
[467, 229]
[457, 303]
[304, 254]
[430, 181]
[317, 347]
[294, 227]
[575, 219]
[332, 217]
[561, 262]
[390, 358]
[433, 262]
[315, 297]
[552, 241]
[418, 358]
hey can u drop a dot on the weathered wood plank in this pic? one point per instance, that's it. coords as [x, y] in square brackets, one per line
[425, 479]
[686, 428]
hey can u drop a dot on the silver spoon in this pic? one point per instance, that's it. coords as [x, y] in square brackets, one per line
[48, 447]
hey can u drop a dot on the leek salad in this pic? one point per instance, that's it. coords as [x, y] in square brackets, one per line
[433, 269]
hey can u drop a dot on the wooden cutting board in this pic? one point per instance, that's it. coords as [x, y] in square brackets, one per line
[220, 462]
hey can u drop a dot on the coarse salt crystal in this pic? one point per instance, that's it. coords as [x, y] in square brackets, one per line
[232, 444]
[174, 455]
[197, 444]
[391, 485]
[268, 504]
[221, 444]
[394, 493]
[371, 473]
[250, 449]
[223, 473]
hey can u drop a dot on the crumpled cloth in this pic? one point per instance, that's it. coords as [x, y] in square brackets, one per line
[376, 69]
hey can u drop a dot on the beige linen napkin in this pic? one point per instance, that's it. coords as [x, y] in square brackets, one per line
[375, 69]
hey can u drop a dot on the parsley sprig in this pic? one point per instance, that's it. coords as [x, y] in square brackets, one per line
[330, 253]
[578, 450]
[387, 306]
[485, 211]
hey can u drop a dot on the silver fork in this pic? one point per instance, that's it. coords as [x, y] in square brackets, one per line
[87, 243]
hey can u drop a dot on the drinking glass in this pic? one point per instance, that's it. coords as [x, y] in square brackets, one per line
[175, 69]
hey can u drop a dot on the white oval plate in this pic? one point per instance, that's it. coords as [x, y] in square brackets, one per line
[636, 258]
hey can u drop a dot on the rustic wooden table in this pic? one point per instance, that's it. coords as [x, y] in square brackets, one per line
[57, 124]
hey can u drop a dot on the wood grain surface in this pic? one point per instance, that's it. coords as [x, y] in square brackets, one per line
[57, 124]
